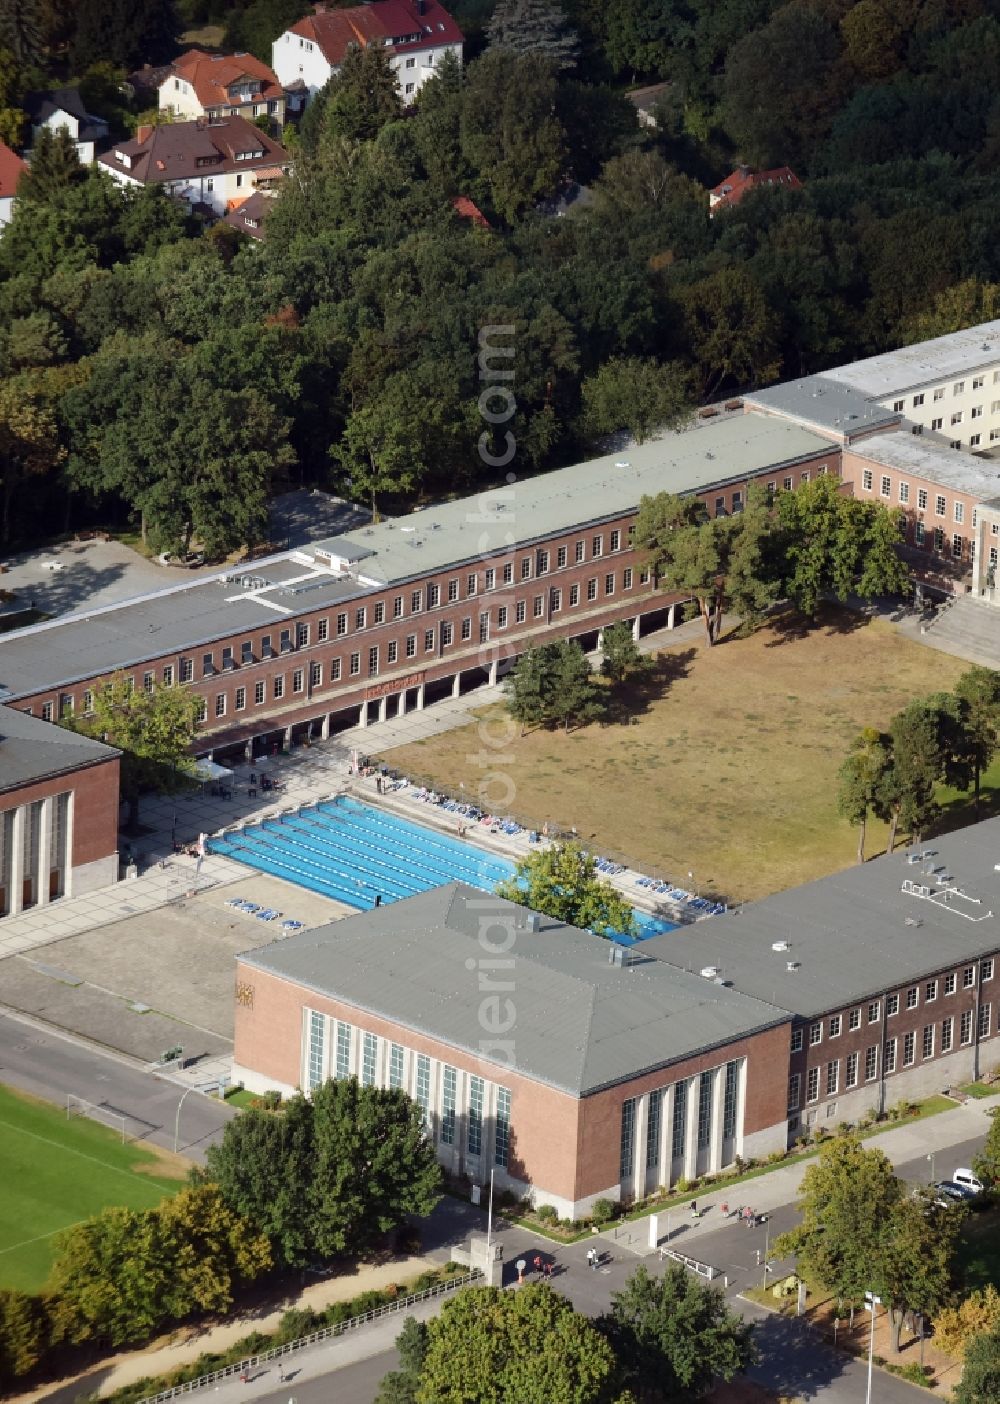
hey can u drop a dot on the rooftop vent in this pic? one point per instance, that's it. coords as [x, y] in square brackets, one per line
[779, 945]
[709, 972]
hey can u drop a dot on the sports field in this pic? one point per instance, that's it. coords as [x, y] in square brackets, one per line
[728, 770]
[55, 1172]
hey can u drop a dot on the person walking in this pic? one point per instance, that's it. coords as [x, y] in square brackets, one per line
[592, 1258]
[694, 1208]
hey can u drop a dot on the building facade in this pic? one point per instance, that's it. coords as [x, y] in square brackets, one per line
[221, 85]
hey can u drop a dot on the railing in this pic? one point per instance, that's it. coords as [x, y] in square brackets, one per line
[694, 1264]
[340, 1328]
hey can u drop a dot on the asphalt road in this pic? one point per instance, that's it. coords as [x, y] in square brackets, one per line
[49, 1064]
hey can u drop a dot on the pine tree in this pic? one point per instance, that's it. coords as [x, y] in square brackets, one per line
[533, 27]
[54, 166]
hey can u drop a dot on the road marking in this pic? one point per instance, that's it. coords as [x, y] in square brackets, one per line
[52, 1234]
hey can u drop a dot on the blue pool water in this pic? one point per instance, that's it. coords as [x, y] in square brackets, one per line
[354, 853]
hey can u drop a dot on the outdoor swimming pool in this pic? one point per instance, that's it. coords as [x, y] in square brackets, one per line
[356, 853]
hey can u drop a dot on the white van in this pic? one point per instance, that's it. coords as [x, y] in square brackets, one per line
[971, 1183]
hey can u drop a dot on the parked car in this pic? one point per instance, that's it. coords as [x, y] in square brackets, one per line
[967, 1181]
[948, 1192]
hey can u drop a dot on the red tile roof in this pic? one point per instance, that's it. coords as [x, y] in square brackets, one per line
[11, 170]
[181, 150]
[407, 24]
[469, 210]
[212, 75]
[731, 190]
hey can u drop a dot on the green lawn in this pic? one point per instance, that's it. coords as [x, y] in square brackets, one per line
[55, 1172]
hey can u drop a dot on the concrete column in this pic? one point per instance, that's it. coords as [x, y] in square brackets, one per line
[600, 639]
[248, 752]
[691, 1130]
[324, 727]
[420, 697]
[666, 1134]
[363, 715]
[17, 862]
[68, 874]
[383, 707]
[288, 738]
[456, 685]
[402, 704]
[494, 669]
[741, 1105]
[718, 1107]
[635, 629]
[639, 1153]
[670, 616]
[44, 859]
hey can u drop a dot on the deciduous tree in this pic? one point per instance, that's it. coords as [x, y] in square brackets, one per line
[23, 1332]
[861, 780]
[978, 693]
[562, 881]
[622, 658]
[683, 547]
[987, 1163]
[533, 27]
[980, 1382]
[637, 394]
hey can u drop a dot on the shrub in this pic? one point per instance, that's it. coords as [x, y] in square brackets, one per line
[295, 1323]
[955, 1326]
[23, 1331]
[547, 1213]
[603, 1211]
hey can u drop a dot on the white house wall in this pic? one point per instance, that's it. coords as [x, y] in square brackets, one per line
[294, 58]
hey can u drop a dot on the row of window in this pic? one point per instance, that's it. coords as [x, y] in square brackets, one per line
[705, 1083]
[933, 1039]
[931, 988]
[940, 502]
[391, 1056]
[958, 388]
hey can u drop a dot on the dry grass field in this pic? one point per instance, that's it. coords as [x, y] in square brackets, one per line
[728, 769]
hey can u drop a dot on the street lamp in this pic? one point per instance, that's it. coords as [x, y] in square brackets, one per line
[177, 1118]
[871, 1303]
[930, 1157]
[489, 1221]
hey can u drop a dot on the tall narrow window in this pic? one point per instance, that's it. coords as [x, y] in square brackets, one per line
[369, 1059]
[627, 1139]
[680, 1120]
[449, 1083]
[501, 1143]
[395, 1065]
[705, 1109]
[422, 1084]
[653, 1129]
[729, 1105]
[317, 1042]
[475, 1116]
[343, 1049]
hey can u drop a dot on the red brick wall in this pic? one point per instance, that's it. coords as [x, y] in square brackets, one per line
[95, 811]
[856, 465]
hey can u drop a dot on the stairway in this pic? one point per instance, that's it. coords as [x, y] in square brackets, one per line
[967, 627]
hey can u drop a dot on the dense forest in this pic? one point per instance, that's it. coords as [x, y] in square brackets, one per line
[157, 373]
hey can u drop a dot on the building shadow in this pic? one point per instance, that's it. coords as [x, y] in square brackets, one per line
[794, 1362]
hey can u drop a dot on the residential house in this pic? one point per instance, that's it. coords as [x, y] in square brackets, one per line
[62, 109]
[249, 215]
[417, 33]
[221, 85]
[646, 100]
[730, 191]
[212, 165]
[11, 170]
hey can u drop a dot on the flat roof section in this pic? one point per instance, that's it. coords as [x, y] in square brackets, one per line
[944, 357]
[825, 404]
[583, 494]
[938, 463]
[856, 934]
[32, 750]
[582, 1023]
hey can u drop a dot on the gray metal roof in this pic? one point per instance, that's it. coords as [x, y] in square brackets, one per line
[582, 1023]
[199, 612]
[551, 503]
[895, 372]
[937, 462]
[855, 934]
[32, 750]
[825, 404]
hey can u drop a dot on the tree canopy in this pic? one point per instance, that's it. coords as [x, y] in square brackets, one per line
[562, 881]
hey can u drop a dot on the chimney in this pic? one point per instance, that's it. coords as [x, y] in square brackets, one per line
[143, 133]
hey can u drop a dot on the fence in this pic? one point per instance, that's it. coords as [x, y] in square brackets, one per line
[702, 1269]
[340, 1328]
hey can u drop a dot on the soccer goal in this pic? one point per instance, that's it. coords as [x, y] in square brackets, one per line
[79, 1106]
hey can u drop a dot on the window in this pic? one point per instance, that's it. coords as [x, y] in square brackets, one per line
[422, 1084]
[502, 617]
[411, 645]
[411, 63]
[974, 441]
[475, 1131]
[395, 1065]
[920, 533]
[538, 606]
[965, 1027]
[909, 1049]
[832, 1078]
[912, 997]
[542, 563]
[939, 393]
[812, 1085]
[939, 505]
[794, 1085]
[397, 607]
[984, 1021]
[467, 627]
[930, 992]
[429, 639]
[891, 1005]
[796, 1041]
[341, 625]
[854, 1019]
[416, 601]
[927, 1047]
[897, 405]
[835, 1025]
[560, 558]
[609, 583]
[720, 506]
[950, 983]
[278, 687]
[871, 1063]
[501, 1140]
[391, 651]
[957, 417]
[815, 1034]
[889, 1057]
[627, 578]
[874, 1011]
[470, 586]
[679, 1129]
[258, 693]
[959, 511]
[938, 539]
[88, 702]
[947, 1034]
[852, 1070]
[302, 635]
[149, 680]
[315, 1050]
[627, 1147]
[729, 1101]
[484, 627]
[298, 680]
[917, 401]
[968, 977]
[240, 699]
[592, 590]
[526, 568]
[653, 1117]
[579, 550]
[904, 492]
[985, 970]
[207, 665]
[597, 546]
[168, 675]
[555, 601]
[738, 496]
[220, 704]
[334, 670]
[508, 571]
[369, 1059]
[355, 665]
[616, 541]
[886, 487]
[936, 423]
[315, 674]
[705, 1109]
[491, 577]
[449, 1088]
[447, 634]
[958, 387]
[574, 596]
[343, 1065]
[322, 630]
[978, 381]
[976, 412]
[922, 498]
[452, 591]
[373, 662]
